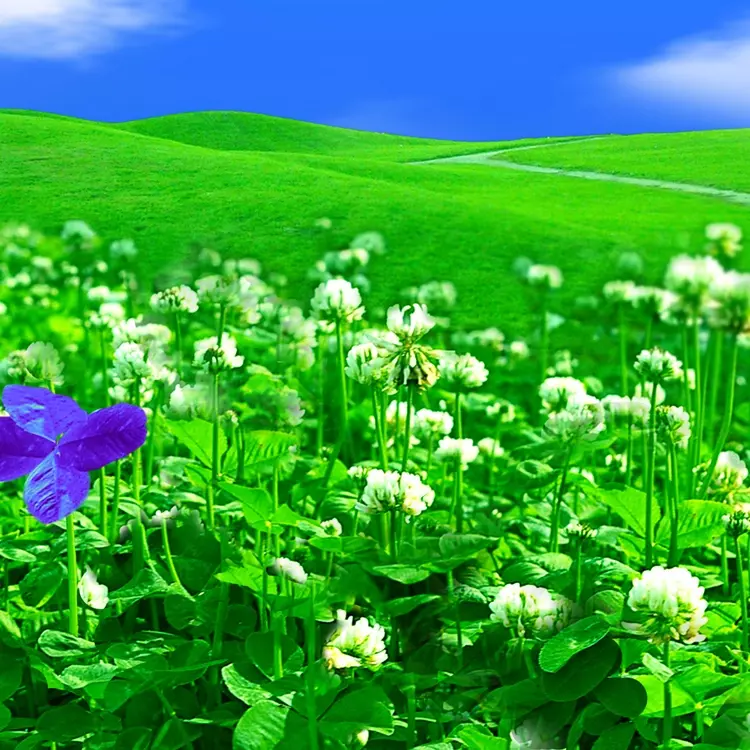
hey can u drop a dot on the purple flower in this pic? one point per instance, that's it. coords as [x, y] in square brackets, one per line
[54, 441]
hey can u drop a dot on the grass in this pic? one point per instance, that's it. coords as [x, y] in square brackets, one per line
[465, 223]
[717, 158]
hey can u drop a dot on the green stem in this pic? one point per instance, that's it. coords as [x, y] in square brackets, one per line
[178, 342]
[312, 708]
[629, 454]
[724, 566]
[379, 430]
[344, 427]
[675, 516]
[457, 615]
[103, 520]
[544, 348]
[72, 577]
[579, 569]
[215, 456]
[557, 505]
[116, 502]
[458, 480]
[698, 423]
[726, 423]
[623, 350]
[667, 733]
[650, 466]
[407, 426]
[743, 600]
[394, 534]
[168, 553]
[718, 361]
[320, 427]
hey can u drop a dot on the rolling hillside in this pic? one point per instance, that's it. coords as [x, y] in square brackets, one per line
[252, 185]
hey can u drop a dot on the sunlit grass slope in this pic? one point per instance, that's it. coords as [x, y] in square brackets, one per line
[718, 158]
[465, 223]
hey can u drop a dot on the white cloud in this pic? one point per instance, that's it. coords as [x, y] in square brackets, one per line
[707, 73]
[58, 29]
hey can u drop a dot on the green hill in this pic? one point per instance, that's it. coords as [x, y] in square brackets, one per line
[716, 158]
[258, 192]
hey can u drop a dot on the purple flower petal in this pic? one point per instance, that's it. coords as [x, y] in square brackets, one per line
[41, 412]
[53, 491]
[109, 434]
[20, 452]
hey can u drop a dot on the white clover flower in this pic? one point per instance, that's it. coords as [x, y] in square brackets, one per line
[409, 323]
[673, 425]
[387, 490]
[430, 424]
[439, 294]
[130, 365]
[93, 593]
[530, 611]
[43, 363]
[462, 370]
[728, 478]
[133, 330]
[332, 527]
[503, 410]
[187, 401]
[352, 645]
[125, 249]
[736, 523]
[175, 299]
[164, 517]
[290, 569]
[691, 278]
[76, 231]
[556, 392]
[519, 350]
[454, 449]
[549, 277]
[364, 363]
[337, 299]
[581, 420]
[218, 291]
[619, 291]
[490, 448]
[109, 315]
[212, 358]
[672, 604]
[642, 395]
[580, 530]
[724, 240]
[653, 301]
[103, 293]
[728, 307]
[290, 405]
[658, 366]
[617, 406]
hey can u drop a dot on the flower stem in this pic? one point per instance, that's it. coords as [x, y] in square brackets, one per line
[629, 454]
[623, 350]
[379, 430]
[72, 577]
[320, 427]
[713, 395]
[103, 520]
[215, 457]
[743, 600]
[726, 423]
[115, 502]
[168, 553]
[458, 480]
[698, 424]
[459, 633]
[407, 425]
[312, 707]
[557, 505]
[344, 427]
[544, 340]
[650, 466]
[667, 730]
[675, 515]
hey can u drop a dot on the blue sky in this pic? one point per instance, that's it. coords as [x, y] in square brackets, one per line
[465, 70]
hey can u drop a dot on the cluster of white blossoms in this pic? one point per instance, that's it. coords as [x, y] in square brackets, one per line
[728, 307]
[547, 277]
[365, 363]
[582, 419]
[456, 450]
[619, 291]
[393, 490]
[175, 299]
[93, 594]
[671, 603]
[691, 278]
[530, 611]
[289, 569]
[635, 408]
[736, 523]
[556, 392]
[188, 401]
[135, 331]
[355, 644]
[407, 361]
[490, 448]
[337, 299]
[653, 301]
[658, 366]
[729, 477]
[214, 358]
[332, 527]
[38, 364]
[462, 370]
[429, 424]
[673, 425]
[723, 240]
